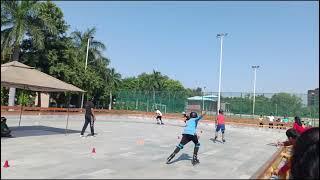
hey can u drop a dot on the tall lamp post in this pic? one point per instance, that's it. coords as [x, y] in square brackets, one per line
[85, 67]
[204, 88]
[254, 87]
[220, 35]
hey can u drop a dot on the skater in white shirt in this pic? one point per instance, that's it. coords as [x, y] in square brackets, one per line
[158, 116]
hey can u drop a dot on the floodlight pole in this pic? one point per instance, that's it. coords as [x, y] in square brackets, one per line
[221, 35]
[203, 98]
[85, 67]
[254, 88]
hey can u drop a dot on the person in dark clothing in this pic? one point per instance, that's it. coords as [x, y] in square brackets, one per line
[305, 158]
[89, 117]
[5, 131]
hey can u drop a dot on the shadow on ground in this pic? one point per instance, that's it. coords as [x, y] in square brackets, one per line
[182, 157]
[25, 131]
[211, 139]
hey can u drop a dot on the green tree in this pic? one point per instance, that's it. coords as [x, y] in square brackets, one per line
[113, 81]
[20, 19]
[287, 104]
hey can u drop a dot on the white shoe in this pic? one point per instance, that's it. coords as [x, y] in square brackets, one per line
[81, 136]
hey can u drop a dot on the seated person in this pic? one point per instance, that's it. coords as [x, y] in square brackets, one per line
[285, 119]
[271, 119]
[305, 157]
[292, 137]
[261, 121]
[5, 131]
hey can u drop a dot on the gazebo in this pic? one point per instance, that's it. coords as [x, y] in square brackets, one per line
[18, 75]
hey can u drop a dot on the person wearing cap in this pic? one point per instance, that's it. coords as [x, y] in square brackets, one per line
[220, 125]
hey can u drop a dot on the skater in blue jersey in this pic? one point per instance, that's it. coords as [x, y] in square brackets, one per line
[189, 134]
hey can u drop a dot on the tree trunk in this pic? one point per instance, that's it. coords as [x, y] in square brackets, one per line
[110, 98]
[12, 91]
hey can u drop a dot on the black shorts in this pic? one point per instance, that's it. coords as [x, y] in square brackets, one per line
[187, 138]
[158, 117]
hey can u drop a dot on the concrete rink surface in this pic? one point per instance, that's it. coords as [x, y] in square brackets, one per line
[129, 147]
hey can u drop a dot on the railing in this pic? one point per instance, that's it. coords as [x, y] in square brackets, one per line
[271, 167]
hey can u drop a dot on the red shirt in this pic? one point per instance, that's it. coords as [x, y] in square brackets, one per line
[298, 128]
[220, 119]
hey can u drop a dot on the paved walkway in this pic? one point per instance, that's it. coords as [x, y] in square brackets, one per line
[128, 147]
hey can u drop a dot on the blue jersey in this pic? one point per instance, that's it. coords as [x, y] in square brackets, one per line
[191, 126]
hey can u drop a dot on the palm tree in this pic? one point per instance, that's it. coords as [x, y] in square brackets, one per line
[113, 81]
[20, 19]
[96, 47]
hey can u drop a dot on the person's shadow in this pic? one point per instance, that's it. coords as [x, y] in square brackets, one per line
[212, 139]
[182, 157]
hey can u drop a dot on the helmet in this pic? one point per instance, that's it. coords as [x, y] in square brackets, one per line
[193, 115]
[183, 113]
[220, 111]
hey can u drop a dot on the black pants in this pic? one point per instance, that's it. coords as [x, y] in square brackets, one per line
[88, 120]
[6, 133]
[186, 138]
[159, 117]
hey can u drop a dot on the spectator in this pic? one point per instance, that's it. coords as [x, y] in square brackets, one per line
[5, 131]
[298, 126]
[271, 119]
[292, 137]
[285, 119]
[261, 121]
[305, 158]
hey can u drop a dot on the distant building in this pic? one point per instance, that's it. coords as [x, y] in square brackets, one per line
[313, 97]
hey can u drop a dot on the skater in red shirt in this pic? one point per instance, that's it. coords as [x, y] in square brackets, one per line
[220, 125]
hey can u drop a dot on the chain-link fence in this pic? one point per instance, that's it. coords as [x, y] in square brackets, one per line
[239, 104]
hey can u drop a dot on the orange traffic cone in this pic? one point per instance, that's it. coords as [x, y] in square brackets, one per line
[6, 164]
[94, 150]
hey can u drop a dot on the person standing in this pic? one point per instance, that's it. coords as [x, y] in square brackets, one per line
[220, 125]
[89, 117]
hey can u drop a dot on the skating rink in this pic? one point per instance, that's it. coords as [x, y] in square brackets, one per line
[129, 147]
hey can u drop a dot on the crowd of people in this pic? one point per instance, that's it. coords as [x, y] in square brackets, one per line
[303, 163]
[277, 122]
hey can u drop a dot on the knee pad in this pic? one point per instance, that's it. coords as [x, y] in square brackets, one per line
[180, 146]
[198, 145]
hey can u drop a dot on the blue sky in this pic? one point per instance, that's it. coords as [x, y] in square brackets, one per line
[179, 40]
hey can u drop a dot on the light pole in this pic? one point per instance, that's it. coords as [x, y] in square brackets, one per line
[85, 67]
[254, 87]
[203, 98]
[221, 35]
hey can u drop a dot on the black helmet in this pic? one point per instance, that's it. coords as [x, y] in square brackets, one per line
[193, 115]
